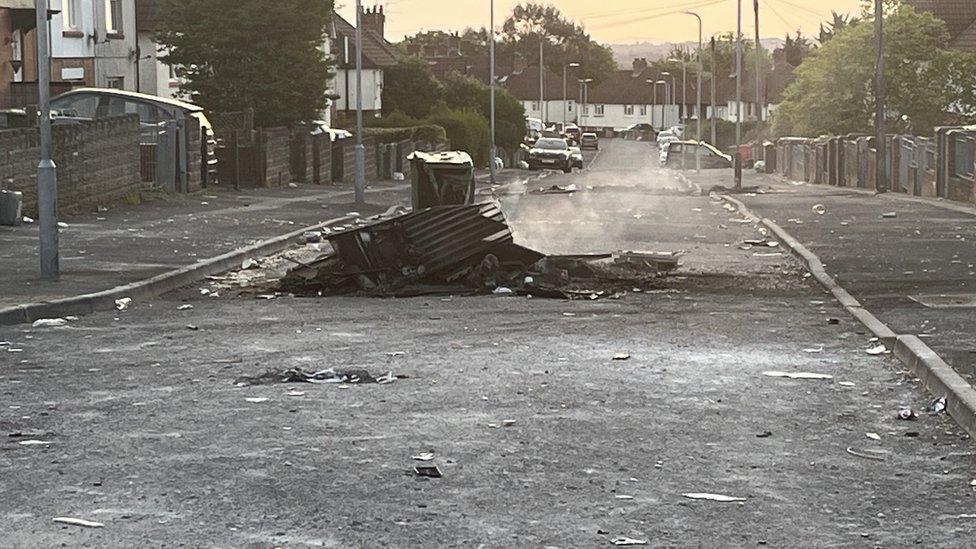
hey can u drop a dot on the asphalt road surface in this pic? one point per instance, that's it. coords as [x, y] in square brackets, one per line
[542, 438]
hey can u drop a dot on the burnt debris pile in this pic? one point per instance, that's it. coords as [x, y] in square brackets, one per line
[458, 250]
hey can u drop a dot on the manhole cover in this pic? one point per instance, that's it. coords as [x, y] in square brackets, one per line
[945, 301]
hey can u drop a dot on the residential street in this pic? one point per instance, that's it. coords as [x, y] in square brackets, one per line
[543, 439]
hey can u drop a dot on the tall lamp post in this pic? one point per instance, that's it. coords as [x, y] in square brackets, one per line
[565, 98]
[667, 97]
[586, 96]
[360, 149]
[47, 176]
[491, 84]
[682, 112]
[656, 83]
[699, 104]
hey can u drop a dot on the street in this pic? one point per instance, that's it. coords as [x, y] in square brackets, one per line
[138, 418]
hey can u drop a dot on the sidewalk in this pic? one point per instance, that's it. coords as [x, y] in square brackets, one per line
[916, 271]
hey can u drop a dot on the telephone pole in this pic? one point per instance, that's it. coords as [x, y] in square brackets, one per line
[760, 99]
[491, 85]
[881, 164]
[714, 76]
[47, 175]
[360, 149]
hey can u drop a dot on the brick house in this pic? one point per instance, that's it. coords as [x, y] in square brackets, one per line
[378, 54]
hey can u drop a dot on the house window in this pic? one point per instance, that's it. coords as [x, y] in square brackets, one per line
[628, 110]
[570, 107]
[643, 110]
[585, 109]
[598, 110]
[113, 16]
[535, 105]
[69, 17]
[116, 82]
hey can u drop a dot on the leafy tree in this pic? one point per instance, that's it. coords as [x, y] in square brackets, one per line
[838, 23]
[925, 80]
[260, 54]
[462, 92]
[410, 88]
[797, 49]
[466, 129]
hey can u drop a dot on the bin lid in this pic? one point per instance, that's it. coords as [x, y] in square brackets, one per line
[446, 158]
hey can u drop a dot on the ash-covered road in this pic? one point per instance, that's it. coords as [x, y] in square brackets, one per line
[543, 439]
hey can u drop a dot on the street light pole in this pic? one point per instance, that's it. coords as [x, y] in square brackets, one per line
[47, 176]
[714, 109]
[881, 164]
[760, 102]
[738, 96]
[565, 98]
[542, 84]
[699, 97]
[360, 149]
[491, 85]
[667, 98]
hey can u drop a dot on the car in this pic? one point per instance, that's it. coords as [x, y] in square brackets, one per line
[681, 155]
[573, 131]
[577, 156]
[589, 140]
[95, 103]
[550, 153]
[642, 131]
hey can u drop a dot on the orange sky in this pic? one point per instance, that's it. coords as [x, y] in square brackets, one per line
[616, 21]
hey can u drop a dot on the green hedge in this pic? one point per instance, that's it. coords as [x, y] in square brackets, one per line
[430, 133]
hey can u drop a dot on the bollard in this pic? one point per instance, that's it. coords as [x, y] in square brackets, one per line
[737, 164]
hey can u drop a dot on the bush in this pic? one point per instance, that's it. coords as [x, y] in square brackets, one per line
[428, 133]
[467, 130]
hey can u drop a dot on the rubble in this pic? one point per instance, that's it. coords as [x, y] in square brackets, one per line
[328, 375]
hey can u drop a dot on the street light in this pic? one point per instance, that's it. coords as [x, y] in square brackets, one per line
[684, 87]
[699, 105]
[571, 65]
[493, 152]
[669, 95]
[656, 83]
[360, 149]
[47, 175]
[585, 91]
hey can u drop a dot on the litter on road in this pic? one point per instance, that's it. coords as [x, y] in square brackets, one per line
[424, 456]
[49, 323]
[328, 375]
[35, 443]
[714, 497]
[256, 400]
[123, 303]
[186, 307]
[938, 405]
[873, 436]
[799, 375]
[877, 350]
[431, 471]
[78, 522]
[621, 541]
[621, 356]
[866, 454]
[907, 414]
[820, 209]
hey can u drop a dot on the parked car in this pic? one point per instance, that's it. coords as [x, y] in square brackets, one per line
[589, 140]
[642, 131]
[681, 155]
[577, 156]
[573, 131]
[95, 103]
[550, 153]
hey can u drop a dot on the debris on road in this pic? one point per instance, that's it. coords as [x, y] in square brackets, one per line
[192, 327]
[556, 189]
[328, 375]
[799, 375]
[873, 436]
[889, 215]
[819, 209]
[764, 434]
[431, 471]
[49, 323]
[185, 307]
[622, 541]
[907, 414]
[714, 497]
[424, 456]
[78, 522]
[621, 356]
[866, 454]
[256, 400]
[35, 443]
[248, 264]
[814, 350]
[938, 405]
[877, 350]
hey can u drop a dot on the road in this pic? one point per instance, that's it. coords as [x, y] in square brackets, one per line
[149, 434]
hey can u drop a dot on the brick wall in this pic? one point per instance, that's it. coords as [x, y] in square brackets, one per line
[348, 149]
[98, 162]
[277, 156]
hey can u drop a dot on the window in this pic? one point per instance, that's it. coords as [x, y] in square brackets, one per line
[113, 16]
[69, 14]
[585, 109]
[116, 82]
[628, 110]
[643, 110]
[570, 107]
[535, 105]
[598, 110]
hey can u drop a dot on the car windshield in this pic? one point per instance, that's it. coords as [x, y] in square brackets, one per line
[551, 144]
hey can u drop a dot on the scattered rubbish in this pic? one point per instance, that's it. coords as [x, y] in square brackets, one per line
[328, 375]
[35, 443]
[889, 215]
[256, 400]
[192, 327]
[622, 541]
[819, 209]
[293, 185]
[556, 189]
[873, 436]
[833, 321]
[394, 354]
[386, 378]
[248, 264]
[186, 307]
[907, 414]
[795, 221]
[508, 422]
[866, 454]
[621, 356]
[62, 225]
[877, 350]
[938, 405]
[398, 176]
[424, 456]
[123, 303]
[798, 375]
[814, 350]
[49, 323]
[28, 220]
[295, 393]
[623, 496]
[311, 237]
[846, 383]
[714, 497]
[78, 522]
[431, 471]
[765, 434]
[501, 290]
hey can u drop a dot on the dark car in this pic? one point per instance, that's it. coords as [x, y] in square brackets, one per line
[681, 155]
[577, 156]
[589, 140]
[550, 153]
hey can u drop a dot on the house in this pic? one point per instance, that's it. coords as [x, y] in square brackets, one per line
[628, 97]
[93, 43]
[378, 54]
[959, 17]
[551, 106]
[154, 76]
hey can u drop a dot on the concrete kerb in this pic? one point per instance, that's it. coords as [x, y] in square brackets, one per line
[105, 300]
[939, 378]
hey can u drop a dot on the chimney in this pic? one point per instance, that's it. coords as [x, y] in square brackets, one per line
[640, 65]
[374, 20]
[454, 44]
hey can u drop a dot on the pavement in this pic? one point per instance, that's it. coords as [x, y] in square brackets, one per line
[910, 262]
[140, 425]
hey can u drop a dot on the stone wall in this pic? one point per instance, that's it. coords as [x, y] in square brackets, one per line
[98, 162]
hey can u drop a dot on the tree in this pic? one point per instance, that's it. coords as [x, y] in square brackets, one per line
[925, 80]
[797, 49]
[264, 55]
[838, 23]
[409, 88]
[464, 92]
[563, 41]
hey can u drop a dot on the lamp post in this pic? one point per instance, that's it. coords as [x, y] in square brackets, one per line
[491, 84]
[699, 99]
[667, 97]
[682, 111]
[571, 65]
[656, 83]
[738, 99]
[586, 91]
[47, 176]
[360, 149]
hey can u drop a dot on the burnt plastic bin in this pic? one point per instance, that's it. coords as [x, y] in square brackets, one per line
[442, 179]
[11, 207]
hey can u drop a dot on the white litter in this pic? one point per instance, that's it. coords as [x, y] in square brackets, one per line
[873, 436]
[248, 264]
[814, 350]
[846, 383]
[877, 350]
[798, 375]
[49, 323]
[256, 400]
[123, 303]
[628, 541]
[35, 443]
[623, 496]
[186, 307]
[78, 522]
[424, 456]
[714, 497]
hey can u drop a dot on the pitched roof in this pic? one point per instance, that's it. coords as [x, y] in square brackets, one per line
[377, 52]
[627, 87]
[525, 85]
[959, 17]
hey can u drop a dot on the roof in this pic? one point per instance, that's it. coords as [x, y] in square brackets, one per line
[626, 87]
[959, 17]
[135, 95]
[377, 52]
[525, 85]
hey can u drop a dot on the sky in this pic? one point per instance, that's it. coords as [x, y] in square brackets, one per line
[616, 21]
